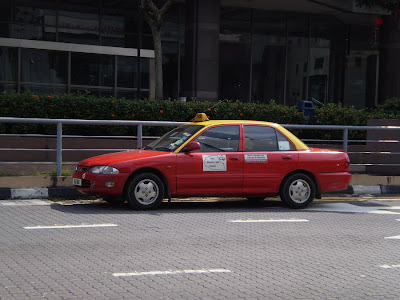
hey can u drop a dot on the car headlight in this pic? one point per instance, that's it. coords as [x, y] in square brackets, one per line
[103, 170]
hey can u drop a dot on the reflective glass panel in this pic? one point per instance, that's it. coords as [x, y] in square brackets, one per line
[219, 139]
[260, 138]
[269, 28]
[43, 66]
[234, 71]
[297, 59]
[235, 24]
[43, 90]
[268, 73]
[84, 69]
[9, 63]
[107, 70]
[127, 71]
[78, 22]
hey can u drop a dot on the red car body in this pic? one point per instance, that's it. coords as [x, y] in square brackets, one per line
[291, 169]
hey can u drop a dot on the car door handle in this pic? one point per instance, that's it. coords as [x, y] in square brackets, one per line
[287, 157]
[233, 158]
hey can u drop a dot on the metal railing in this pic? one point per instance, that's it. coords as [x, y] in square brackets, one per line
[139, 136]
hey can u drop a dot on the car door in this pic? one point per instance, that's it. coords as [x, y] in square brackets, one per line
[268, 157]
[215, 169]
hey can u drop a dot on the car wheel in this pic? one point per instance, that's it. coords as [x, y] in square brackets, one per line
[145, 191]
[298, 191]
[113, 200]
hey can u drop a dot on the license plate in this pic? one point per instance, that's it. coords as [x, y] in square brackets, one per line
[77, 181]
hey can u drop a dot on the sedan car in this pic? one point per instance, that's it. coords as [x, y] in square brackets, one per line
[250, 159]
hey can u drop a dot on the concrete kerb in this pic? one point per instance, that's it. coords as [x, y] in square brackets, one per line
[36, 187]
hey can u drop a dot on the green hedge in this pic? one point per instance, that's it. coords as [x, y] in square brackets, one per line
[83, 106]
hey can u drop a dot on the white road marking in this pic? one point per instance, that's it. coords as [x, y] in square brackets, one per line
[397, 237]
[150, 273]
[70, 226]
[268, 221]
[390, 266]
[351, 208]
[24, 202]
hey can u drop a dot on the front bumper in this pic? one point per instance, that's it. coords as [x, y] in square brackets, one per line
[100, 184]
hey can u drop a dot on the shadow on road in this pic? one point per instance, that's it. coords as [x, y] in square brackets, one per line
[100, 207]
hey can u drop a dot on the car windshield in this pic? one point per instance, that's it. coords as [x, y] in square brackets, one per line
[174, 139]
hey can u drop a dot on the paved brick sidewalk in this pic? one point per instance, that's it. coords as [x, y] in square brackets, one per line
[209, 250]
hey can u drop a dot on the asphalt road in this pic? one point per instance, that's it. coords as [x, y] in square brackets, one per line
[336, 249]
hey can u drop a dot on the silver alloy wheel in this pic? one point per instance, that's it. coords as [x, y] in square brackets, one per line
[299, 191]
[146, 192]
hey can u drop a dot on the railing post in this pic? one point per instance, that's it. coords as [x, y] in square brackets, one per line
[59, 149]
[345, 139]
[139, 136]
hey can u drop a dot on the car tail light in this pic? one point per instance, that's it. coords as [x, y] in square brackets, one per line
[347, 164]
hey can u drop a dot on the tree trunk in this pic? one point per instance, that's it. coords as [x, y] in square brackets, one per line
[158, 62]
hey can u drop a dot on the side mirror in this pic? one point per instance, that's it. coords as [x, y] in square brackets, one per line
[193, 146]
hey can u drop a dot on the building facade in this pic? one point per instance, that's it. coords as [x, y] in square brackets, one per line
[286, 50]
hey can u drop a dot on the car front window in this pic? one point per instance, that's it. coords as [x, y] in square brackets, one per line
[174, 139]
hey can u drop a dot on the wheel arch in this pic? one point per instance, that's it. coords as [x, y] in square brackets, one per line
[309, 174]
[150, 170]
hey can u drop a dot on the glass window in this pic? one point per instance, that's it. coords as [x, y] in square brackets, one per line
[234, 71]
[269, 56]
[361, 68]
[235, 24]
[43, 66]
[269, 28]
[5, 17]
[78, 22]
[174, 139]
[145, 73]
[44, 90]
[297, 59]
[42, 12]
[8, 88]
[86, 91]
[84, 69]
[268, 73]
[260, 138]
[107, 70]
[283, 142]
[127, 72]
[8, 62]
[128, 94]
[219, 139]
[235, 53]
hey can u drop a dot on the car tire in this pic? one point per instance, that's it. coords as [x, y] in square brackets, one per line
[298, 191]
[113, 200]
[145, 191]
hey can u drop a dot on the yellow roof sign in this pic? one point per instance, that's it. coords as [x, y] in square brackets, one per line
[200, 117]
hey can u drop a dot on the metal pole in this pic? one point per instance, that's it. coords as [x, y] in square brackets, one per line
[345, 139]
[139, 135]
[59, 149]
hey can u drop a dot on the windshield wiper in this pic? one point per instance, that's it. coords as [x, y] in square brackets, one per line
[147, 148]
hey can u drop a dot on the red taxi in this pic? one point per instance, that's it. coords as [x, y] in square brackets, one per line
[249, 159]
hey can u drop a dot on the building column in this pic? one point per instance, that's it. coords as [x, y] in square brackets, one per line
[201, 64]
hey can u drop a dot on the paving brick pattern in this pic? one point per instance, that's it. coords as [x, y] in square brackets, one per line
[333, 256]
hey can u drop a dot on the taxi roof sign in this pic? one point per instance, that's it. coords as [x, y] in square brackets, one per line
[201, 117]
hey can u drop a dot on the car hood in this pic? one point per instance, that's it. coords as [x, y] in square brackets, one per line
[117, 157]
